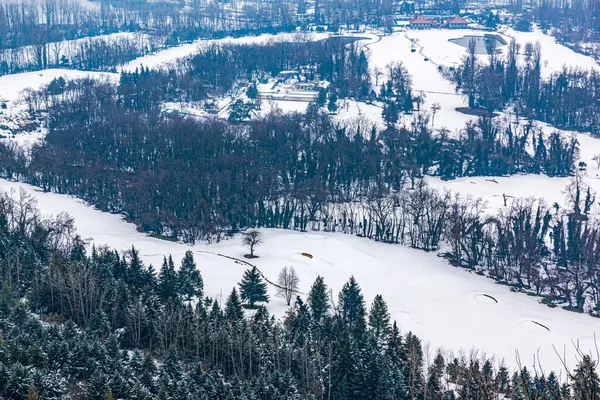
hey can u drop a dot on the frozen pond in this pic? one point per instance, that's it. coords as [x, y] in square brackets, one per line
[482, 43]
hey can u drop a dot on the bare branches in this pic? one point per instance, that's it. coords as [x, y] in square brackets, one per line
[288, 282]
[252, 239]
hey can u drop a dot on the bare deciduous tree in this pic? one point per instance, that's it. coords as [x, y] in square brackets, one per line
[288, 282]
[252, 239]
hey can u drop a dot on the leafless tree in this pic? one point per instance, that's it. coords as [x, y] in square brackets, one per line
[252, 239]
[288, 281]
[435, 107]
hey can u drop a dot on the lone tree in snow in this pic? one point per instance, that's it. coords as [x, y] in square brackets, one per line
[252, 288]
[435, 107]
[252, 239]
[288, 282]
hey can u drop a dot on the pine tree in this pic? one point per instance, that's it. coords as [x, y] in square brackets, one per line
[252, 288]
[414, 367]
[379, 319]
[433, 388]
[167, 280]
[190, 280]
[352, 306]
[233, 308]
[97, 386]
[148, 372]
[318, 300]
[585, 382]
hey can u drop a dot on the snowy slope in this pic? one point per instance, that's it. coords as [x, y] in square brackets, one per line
[12, 85]
[442, 304]
[425, 75]
[554, 55]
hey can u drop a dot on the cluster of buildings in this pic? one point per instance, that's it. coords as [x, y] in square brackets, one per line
[420, 22]
[295, 85]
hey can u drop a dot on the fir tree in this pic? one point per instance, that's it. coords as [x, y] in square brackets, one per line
[379, 319]
[97, 386]
[233, 308]
[332, 105]
[318, 300]
[167, 279]
[352, 306]
[189, 278]
[252, 288]
[585, 382]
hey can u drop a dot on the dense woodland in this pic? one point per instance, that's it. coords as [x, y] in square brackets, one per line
[102, 325]
[572, 22]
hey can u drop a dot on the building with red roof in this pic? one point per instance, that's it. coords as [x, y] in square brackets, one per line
[457, 23]
[421, 23]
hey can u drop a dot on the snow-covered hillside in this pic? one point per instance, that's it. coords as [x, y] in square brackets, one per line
[445, 305]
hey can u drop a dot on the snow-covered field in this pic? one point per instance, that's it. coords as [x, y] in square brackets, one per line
[554, 55]
[444, 305]
[11, 86]
[425, 75]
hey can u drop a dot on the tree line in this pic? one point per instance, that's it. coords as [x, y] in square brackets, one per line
[81, 322]
[566, 99]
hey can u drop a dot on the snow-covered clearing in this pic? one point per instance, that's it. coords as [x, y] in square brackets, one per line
[11, 86]
[425, 75]
[554, 54]
[444, 305]
[434, 45]
[438, 48]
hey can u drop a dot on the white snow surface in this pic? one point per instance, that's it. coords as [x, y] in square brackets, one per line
[12, 85]
[555, 56]
[444, 305]
[425, 75]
